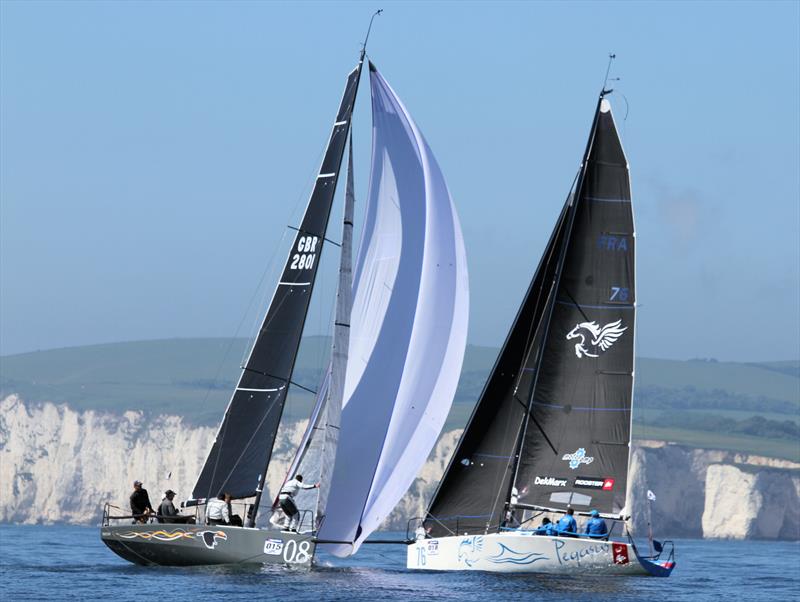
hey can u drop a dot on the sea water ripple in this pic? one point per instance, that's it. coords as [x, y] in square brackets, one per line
[71, 563]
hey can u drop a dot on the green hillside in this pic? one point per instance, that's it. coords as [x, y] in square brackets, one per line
[747, 407]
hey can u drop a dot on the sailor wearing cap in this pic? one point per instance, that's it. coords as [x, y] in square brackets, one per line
[168, 513]
[596, 526]
[140, 503]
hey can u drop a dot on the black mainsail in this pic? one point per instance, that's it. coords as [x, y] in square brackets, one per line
[552, 426]
[238, 461]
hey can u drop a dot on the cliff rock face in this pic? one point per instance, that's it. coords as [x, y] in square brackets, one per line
[58, 465]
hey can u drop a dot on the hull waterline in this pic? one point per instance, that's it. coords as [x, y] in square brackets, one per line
[198, 545]
[528, 553]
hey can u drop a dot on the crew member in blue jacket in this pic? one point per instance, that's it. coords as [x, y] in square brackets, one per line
[567, 527]
[546, 528]
[596, 526]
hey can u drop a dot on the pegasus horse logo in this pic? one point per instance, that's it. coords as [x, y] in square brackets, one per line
[469, 550]
[600, 339]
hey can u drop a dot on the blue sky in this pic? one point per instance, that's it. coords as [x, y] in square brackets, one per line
[151, 155]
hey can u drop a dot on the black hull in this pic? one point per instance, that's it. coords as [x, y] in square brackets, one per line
[198, 545]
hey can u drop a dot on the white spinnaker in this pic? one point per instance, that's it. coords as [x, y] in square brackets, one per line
[408, 327]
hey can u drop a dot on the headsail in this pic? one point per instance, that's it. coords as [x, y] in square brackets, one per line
[552, 426]
[241, 452]
[408, 327]
[473, 492]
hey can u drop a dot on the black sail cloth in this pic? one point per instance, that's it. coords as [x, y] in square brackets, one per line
[576, 448]
[243, 447]
[472, 494]
[573, 447]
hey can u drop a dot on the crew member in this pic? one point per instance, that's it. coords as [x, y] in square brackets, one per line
[140, 503]
[168, 513]
[567, 527]
[286, 499]
[217, 511]
[596, 527]
[546, 528]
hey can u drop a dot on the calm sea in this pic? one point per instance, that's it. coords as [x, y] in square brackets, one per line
[56, 563]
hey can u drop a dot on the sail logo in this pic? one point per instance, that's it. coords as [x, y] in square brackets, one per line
[595, 339]
[550, 481]
[577, 458]
[606, 484]
[620, 551]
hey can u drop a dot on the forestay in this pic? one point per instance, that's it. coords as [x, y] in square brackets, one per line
[408, 327]
[241, 452]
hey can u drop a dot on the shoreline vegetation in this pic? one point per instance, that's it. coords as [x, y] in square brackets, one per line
[746, 407]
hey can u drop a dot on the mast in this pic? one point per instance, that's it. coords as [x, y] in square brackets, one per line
[244, 442]
[340, 347]
[553, 420]
[581, 402]
[551, 298]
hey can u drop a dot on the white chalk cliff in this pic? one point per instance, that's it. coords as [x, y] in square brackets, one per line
[59, 465]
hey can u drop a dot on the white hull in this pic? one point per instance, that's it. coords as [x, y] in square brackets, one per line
[523, 552]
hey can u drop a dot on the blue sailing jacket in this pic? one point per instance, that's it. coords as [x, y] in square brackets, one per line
[548, 529]
[567, 524]
[596, 527]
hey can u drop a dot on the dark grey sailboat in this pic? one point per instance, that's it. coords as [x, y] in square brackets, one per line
[238, 461]
[409, 302]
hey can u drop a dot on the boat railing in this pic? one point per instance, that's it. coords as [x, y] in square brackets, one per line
[301, 525]
[147, 517]
[657, 549]
[412, 525]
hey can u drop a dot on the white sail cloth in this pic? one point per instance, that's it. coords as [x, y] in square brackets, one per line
[408, 327]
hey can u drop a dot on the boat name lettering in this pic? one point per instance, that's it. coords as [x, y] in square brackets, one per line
[273, 547]
[550, 481]
[580, 554]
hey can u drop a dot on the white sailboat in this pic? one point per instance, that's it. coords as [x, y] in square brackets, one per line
[552, 428]
[399, 341]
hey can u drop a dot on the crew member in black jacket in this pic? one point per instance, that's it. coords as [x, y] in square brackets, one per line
[140, 503]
